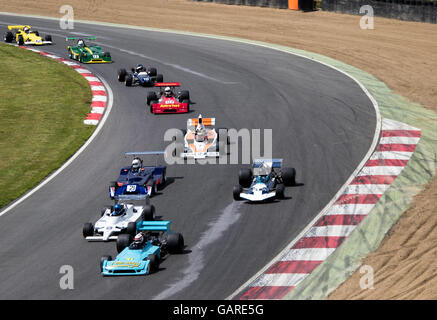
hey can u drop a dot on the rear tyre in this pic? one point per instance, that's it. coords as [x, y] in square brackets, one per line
[103, 259]
[88, 230]
[129, 80]
[48, 38]
[154, 262]
[289, 176]
[245, 177]
[131, 229]
[280, 191]
[159, 78]
[8, 37]
[175, 243]
[123, 241]
[152, 71]
[184, 95]
[148, 213]
[151, 96]
[121, 75]
[236, 192]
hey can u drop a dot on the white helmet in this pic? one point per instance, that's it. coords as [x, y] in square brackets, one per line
[139, 238]
[136, 164]
[167, 90]
[26, 29]
[80, 42]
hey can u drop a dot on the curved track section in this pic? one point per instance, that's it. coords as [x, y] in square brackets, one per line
[323, 124]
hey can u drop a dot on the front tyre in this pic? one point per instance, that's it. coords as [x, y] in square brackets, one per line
[154, 262]
[280, 191]
[121, 76]
[236, 192]
[123, 241]
[88, 230]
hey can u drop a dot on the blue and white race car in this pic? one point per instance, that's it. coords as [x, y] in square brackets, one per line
[140, 76]
[139, 179]
[120, 218]
[263, 182]
[142, 254]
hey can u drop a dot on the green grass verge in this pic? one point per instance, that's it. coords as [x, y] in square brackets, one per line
[42, 107]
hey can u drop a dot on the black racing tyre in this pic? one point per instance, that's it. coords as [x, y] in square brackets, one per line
[152, 71]
[154, 262]
[48, 38]
[280, 191]
[151, 96]
[88, 230]
[148, 213]
[129, 80]
[159, 78]
[20, 40]
[289, 176]
[131, 229]
[245, 177]
[184, 95]
[121, 75]
[70, 54]
[123, 241]
[175, 243]
[103, 259]
[8, 37]
[236, 192]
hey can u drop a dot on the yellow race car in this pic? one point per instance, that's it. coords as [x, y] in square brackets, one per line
[23, 35]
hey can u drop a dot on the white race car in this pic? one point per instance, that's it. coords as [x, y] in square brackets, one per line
[120, 218]
[265, 181]
[201, 140]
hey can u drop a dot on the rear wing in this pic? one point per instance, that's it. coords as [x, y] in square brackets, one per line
[206, 122]
[144, 153]
[17, 27]
[154, 226]
[77, 38]
[132, 197]
[273, 163]
[167, 84]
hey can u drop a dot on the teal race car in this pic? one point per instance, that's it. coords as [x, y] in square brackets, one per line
[88, 54]
[142, 254]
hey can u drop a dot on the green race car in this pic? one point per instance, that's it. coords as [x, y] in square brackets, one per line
[88, 54]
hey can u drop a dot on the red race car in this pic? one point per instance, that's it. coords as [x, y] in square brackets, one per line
[167, 100]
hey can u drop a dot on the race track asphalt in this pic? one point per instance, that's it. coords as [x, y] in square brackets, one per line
[323, 125]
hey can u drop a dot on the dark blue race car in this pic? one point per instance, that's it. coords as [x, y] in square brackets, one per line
[140, 76]
[139, 179]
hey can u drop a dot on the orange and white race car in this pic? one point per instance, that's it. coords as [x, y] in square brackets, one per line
[201, 140]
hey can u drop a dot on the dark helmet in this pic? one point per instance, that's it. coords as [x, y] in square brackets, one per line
[139, 68]
[118, 210]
